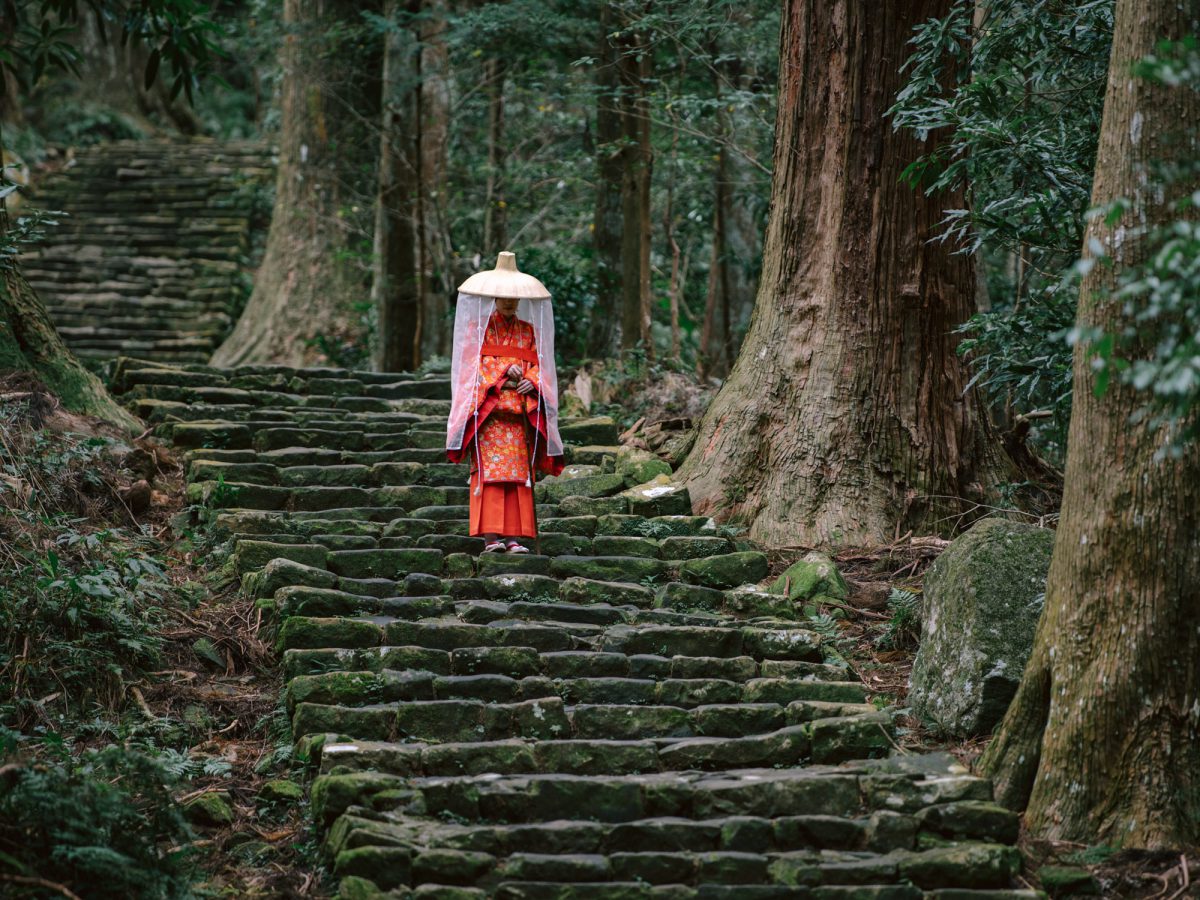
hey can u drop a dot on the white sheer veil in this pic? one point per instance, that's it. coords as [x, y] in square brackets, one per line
[471, 316]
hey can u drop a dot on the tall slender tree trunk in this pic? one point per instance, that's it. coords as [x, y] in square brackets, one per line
[714, 357]
[846, 418]
[307, 281]
[395, 289]
[433, 153]
[634, 68]
[1102, 741]
[604, 334]
[495, 214]
[674, 285]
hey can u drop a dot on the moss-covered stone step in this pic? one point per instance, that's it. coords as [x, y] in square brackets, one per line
[845, 791]
[389, 500]
[523, 681]
[329, 474]
[787, 746]
[521, 661]
[756, 641]
[703, 737]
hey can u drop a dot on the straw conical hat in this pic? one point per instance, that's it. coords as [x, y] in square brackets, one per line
[506, 280]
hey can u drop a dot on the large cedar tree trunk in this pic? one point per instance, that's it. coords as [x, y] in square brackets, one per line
[308, 280]
[395, 287]
[1103, 738]
[845, 418]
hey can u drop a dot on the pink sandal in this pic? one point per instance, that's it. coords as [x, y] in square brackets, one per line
[493, 547]
[515, 547]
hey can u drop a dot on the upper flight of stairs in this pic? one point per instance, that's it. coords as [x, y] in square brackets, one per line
[154, 256]
[617, 717]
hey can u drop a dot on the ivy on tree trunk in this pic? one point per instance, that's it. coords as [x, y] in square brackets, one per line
[1102, 742]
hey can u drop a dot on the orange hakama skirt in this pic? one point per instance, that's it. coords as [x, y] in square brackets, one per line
[502, 507]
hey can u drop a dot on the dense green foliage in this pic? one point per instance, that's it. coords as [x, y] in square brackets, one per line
[80, 601]
[179, 32]
[101, 824]
[1021, 96]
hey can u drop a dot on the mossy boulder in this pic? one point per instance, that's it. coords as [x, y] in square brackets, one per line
[281, 790]
[637, 466]
[983, 599]
[812, 576]
[1068, 881]
[748, 600]
[212, 809]
[728, 570]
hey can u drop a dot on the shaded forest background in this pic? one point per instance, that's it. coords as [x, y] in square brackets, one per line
[625, 151]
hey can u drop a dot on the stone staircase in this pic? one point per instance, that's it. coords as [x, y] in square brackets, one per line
[623, 715]
[155, 256]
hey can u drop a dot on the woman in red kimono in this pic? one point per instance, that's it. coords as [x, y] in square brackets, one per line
[504, 412]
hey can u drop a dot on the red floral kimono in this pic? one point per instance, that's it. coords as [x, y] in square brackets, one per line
[497, 436]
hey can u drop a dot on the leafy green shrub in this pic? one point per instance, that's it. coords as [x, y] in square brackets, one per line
[80, 603]
[82, 124]
[102, 825]
[570, 276]
[78, 622]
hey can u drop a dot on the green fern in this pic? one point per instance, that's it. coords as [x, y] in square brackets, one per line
[903, 628]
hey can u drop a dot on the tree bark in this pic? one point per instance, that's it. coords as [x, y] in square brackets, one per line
[308, 278]
[1102, 741]
[28, 341]
[714, 334]
[495, 213]
[634, 69]
[604, 335]
[395, 289]
[433, 153]
[716, 357]
[846, 418]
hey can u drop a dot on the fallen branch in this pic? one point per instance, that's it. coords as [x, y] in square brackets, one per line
[633, 429]
[42, 882]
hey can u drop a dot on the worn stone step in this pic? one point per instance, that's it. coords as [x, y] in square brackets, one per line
[756, 641]
[843, 791]
[516, 660]
[520, 677]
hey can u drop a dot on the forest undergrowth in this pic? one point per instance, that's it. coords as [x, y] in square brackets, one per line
[143, 751]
